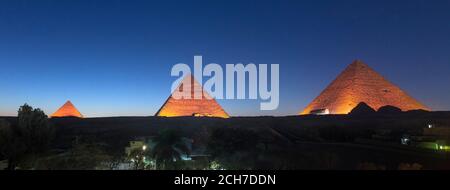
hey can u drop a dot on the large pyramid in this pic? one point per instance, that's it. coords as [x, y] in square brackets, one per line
[206, 106]
[359, 83]
[67, 110]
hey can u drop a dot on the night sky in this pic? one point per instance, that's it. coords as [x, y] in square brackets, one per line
[113, 58]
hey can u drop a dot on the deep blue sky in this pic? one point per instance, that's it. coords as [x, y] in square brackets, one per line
[113, 58]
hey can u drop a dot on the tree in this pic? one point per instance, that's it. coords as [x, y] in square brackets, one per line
[30, 138]
[116, 158]
[11, 146]
[168, 149]
[139, 158]
[5, 136]
[35, 128]
[7, 144]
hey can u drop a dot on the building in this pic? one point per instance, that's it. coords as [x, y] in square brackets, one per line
[432, 137]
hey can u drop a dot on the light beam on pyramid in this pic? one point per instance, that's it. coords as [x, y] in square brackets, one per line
[203, 107]
[67, 110]
[359, 83]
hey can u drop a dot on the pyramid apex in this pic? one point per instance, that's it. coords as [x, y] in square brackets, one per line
[68, 103]
[190, 75]
[356, 66]
[358, 62]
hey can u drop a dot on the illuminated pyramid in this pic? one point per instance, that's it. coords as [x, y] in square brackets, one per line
[359, 83]
[67, 110]
[201, 107]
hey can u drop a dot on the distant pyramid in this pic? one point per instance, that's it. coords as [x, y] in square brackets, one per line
[206, 106]
[67, 110]
[359, 83]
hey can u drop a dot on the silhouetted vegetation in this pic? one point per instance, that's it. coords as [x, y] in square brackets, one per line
[169, 148]
[297, 142]
[137, 158]
[5, 138]
[28, 139]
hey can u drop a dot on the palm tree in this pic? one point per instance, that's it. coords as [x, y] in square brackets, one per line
[168, 149]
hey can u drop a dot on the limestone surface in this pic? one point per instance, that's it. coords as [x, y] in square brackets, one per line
[201, 106]
[359, 83]
[67, 110]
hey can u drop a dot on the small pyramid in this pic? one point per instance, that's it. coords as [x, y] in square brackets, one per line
[67, 110]
[362, 109]
[202, 107]
[359, 83]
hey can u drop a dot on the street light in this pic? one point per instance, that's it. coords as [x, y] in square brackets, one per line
[144, 147]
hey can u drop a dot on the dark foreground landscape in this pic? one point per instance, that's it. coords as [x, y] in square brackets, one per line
[391, 141]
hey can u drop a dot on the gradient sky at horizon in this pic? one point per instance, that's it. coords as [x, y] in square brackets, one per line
[113, 57]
